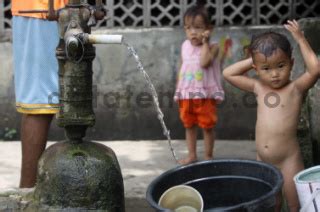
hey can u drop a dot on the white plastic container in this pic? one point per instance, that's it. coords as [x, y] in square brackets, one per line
[182, 198]
[308, 188]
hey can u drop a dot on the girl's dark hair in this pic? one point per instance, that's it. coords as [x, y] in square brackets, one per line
[268, 42]
[198, 9]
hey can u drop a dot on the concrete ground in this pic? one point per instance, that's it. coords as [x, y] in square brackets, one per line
[140, 161]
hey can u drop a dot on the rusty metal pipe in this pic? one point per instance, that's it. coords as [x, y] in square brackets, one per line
[74, 2]
[52, 15]
[51, 7]
[98, 3]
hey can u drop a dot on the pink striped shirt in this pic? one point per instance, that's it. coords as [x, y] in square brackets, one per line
[195, 82]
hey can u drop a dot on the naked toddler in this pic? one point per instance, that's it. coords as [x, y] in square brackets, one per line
[279, 100]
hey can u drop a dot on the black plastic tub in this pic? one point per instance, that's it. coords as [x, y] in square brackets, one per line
[225, 185]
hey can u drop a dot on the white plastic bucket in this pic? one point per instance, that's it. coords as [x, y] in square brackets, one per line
[182, 198]
[308, 188]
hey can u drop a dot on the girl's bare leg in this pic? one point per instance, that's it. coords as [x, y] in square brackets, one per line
[191, 137]
[208, 137]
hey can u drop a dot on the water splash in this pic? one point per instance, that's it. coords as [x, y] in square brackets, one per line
[154, 94]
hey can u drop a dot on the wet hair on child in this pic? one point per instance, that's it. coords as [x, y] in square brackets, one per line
[198, 10]
[267, 43]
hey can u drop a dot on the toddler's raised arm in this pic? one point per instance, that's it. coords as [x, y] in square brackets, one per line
[208, 52]
[235, 74]
[308, 79]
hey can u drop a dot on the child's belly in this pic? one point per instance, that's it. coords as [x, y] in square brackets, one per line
[274, 148]
[270, 153]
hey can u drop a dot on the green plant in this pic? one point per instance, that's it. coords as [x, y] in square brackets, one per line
[9, 133]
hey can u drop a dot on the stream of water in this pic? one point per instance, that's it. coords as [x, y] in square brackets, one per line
[154, 94]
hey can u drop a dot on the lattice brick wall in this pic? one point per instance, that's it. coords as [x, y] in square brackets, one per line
[160, 13]
[169, 13]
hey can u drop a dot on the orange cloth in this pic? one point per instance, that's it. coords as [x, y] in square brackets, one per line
[18, 5]
[201, 112]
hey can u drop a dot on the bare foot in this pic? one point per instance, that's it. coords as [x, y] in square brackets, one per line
[208, 158]
[186, 161]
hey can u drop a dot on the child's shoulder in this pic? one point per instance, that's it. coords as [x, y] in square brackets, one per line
[261, 87]
[186, 44]
[187, 47]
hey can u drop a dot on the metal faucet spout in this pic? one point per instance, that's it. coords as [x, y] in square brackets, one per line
[72, 43]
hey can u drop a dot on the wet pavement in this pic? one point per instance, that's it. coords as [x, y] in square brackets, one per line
[140, 162]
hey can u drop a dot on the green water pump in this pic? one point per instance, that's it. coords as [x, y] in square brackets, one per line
[76, 173]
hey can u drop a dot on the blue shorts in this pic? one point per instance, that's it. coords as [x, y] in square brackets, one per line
[35, 65]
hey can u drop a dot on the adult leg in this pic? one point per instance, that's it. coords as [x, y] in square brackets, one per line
[34, 133]
[208, 137]
[191, 137]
